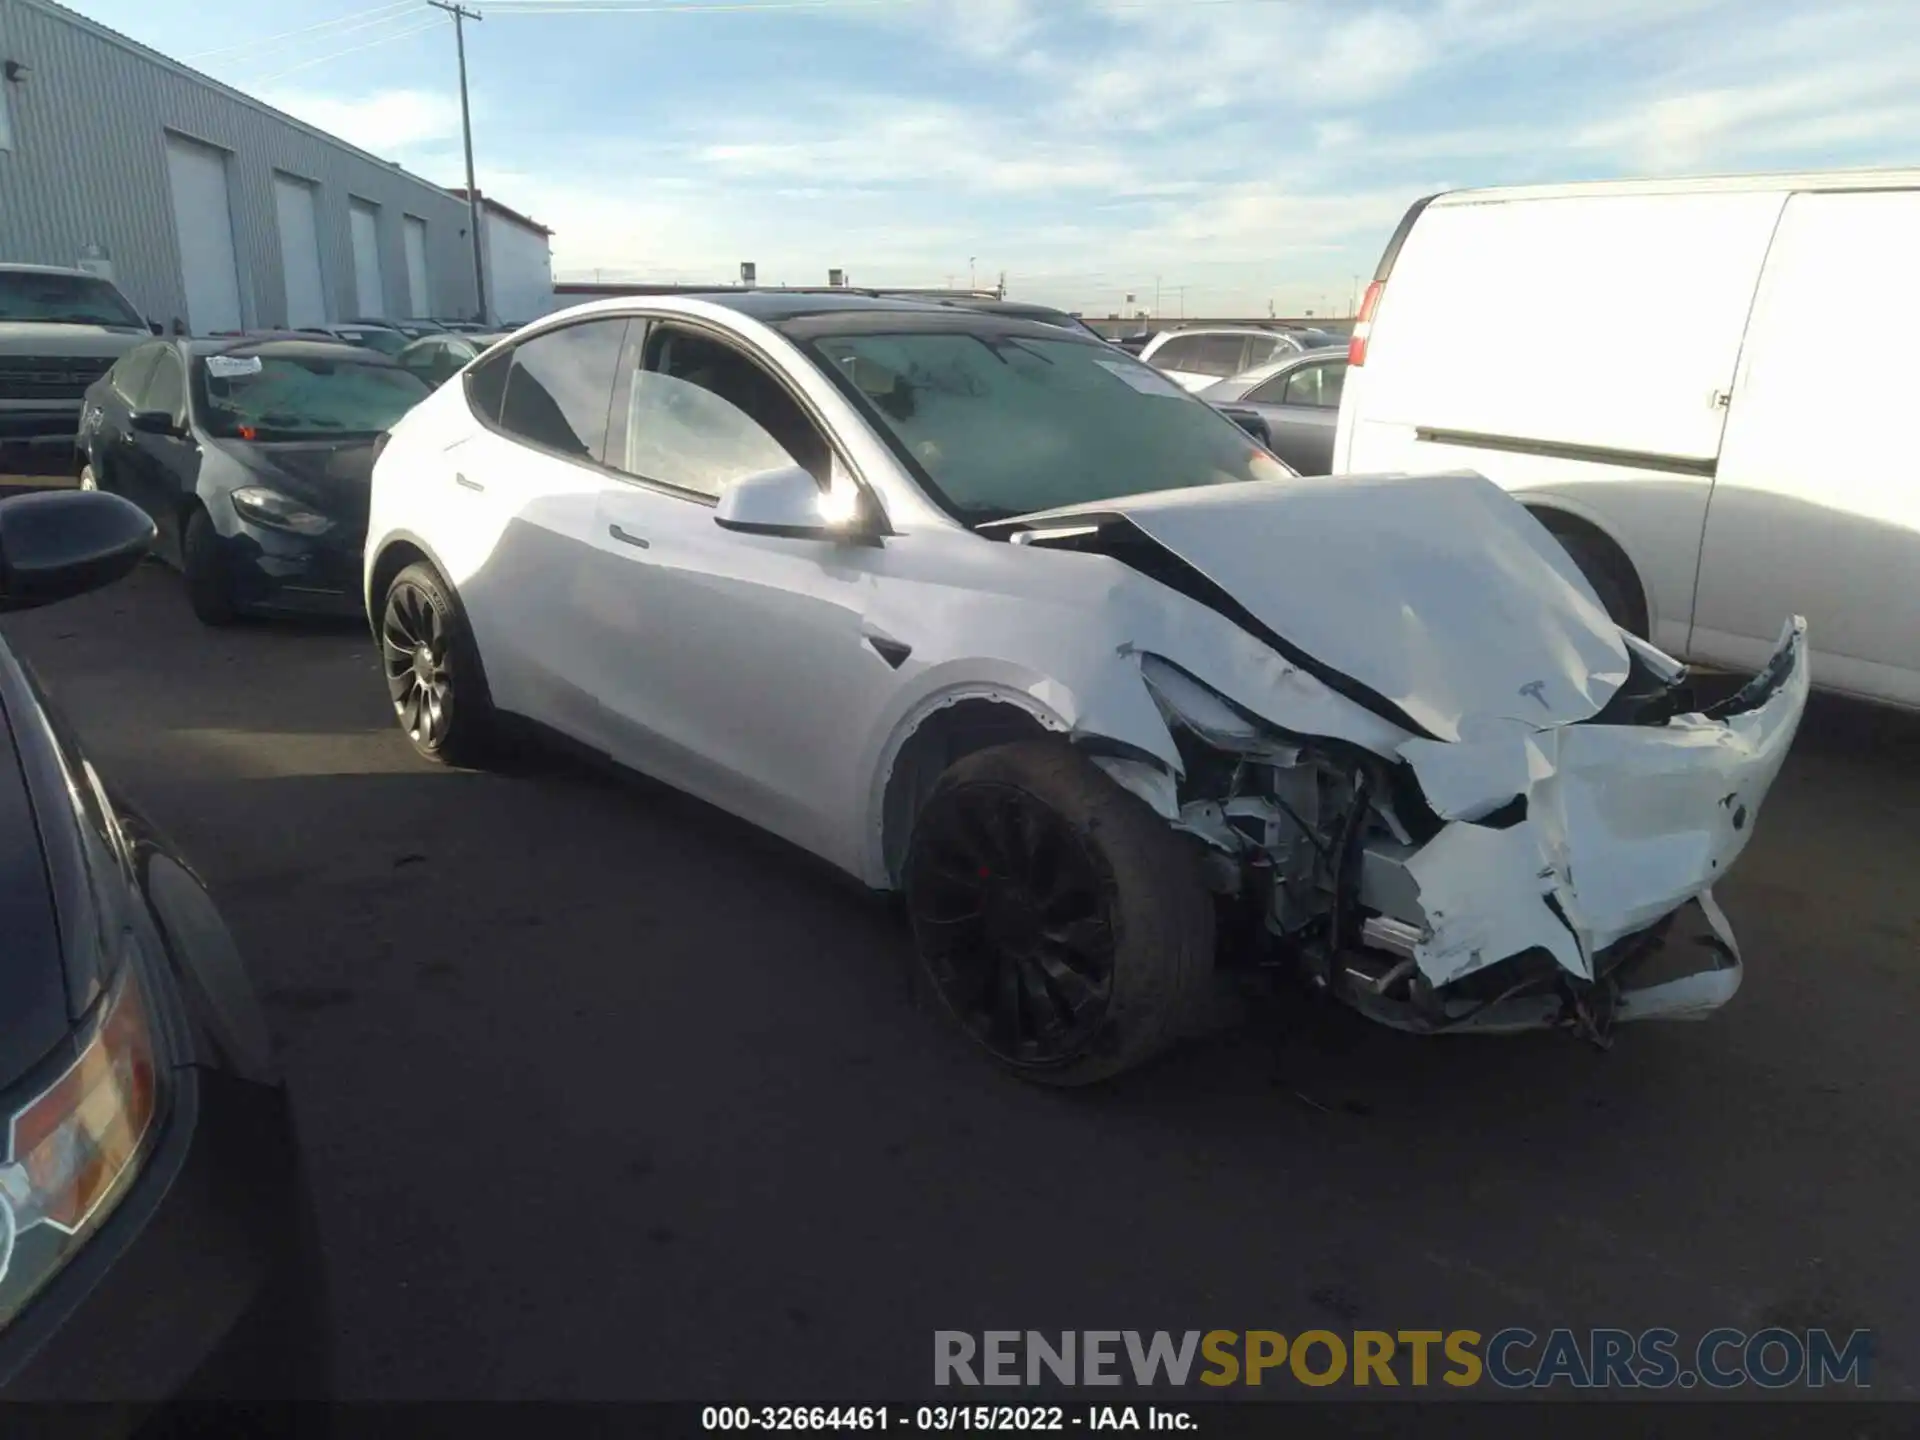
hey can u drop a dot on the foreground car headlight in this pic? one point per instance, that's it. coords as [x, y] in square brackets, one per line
[281, 512]
[74, 1147]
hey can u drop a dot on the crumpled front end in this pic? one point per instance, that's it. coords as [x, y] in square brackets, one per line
[1530, 877]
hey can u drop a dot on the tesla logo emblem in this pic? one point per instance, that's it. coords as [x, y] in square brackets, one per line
[1537, 688]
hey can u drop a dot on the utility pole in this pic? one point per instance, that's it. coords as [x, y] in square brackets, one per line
[460, 14]
[973, 277]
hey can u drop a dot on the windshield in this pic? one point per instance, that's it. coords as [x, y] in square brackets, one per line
[26, 295]
[995, 426]
[277, 397]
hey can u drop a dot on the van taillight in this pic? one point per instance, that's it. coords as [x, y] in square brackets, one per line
[1363, 325]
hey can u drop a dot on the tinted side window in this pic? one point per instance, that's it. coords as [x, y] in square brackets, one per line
[560, 386]
[1317, 386]
[1219, 355]
[487, 386]
[700, 414]
[131, 370]
[1269, 392]
[166, 388]
[1178, 353]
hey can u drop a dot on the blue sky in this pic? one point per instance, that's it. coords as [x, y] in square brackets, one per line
[1231, 153]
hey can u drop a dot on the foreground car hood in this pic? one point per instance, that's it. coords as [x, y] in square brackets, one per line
[1439, 594]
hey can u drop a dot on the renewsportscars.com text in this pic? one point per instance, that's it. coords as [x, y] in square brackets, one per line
[1510, 1359]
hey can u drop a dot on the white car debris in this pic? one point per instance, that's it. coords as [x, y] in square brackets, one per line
[948, 600]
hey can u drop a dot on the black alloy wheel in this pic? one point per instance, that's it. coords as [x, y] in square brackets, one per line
[432, 678]
[1063, 923]
[1010, 911]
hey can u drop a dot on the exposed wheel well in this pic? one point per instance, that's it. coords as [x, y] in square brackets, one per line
[944, 737]
[395, 558]
[1606, 552]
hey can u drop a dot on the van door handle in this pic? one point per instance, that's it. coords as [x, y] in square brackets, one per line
[627, 539]
[464, 483]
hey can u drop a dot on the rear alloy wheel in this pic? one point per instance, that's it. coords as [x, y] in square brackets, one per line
[1062, 923]
[203, 561]
[432, 670]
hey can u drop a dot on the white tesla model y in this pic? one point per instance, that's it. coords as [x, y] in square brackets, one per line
[997, 616]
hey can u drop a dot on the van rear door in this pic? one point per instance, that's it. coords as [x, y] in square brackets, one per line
[1576, 348]
[1816, 509]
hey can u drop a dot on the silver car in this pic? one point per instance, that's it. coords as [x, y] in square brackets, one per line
[1296, 401]
[1195, 358]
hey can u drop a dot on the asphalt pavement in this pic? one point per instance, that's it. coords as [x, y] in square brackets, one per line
[607, 1096]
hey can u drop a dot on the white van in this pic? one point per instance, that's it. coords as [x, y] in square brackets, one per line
[1709, 389]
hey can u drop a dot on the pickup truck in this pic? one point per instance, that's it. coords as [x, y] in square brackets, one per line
[60, 330]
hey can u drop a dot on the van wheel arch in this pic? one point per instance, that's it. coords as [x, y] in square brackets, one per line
[1606, 566]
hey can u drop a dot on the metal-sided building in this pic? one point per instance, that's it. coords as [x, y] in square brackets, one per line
[205, 205]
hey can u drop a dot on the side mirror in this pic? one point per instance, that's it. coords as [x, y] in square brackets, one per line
[62, 543]
[1250, 421]
[154, 422]
[787, 501]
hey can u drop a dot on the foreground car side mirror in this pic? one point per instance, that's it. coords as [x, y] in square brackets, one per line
[787, 501]
[154, 422]
[63, 543]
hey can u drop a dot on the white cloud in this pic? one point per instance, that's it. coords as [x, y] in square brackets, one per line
[386, 122]
[1239, 152]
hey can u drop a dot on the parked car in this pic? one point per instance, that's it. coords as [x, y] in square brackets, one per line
[438, 358]
[994, 615]
[469, 327]
[156, 1230]
[1731, 472]
[1133, 344]
[410, 329]
[383, 338]
[253, 458]
[1296, 400]
[1196, 358]
[59, 331]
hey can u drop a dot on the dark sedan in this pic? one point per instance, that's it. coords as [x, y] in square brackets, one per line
[384, 338]
[253, 457]
[1292, 403]
[436, 359]
[156, 1233]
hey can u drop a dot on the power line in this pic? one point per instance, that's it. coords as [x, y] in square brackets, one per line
[666, 7]
[419, 29]
[359, 17]
[722, 7]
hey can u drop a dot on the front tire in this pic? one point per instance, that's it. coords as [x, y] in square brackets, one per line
[203, 562]
[433, 670]
[1063, 924]
[1618, 593]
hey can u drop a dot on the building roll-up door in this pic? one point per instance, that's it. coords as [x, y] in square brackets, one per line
[370, 292]
[419, 299]
[300, 251]
[203, 217]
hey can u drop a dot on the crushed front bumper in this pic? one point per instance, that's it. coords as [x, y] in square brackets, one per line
[1623, 826]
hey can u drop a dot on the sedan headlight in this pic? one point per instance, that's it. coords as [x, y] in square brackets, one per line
[73, 1149]
[280, 512]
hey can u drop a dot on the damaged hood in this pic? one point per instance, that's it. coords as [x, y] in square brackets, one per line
[1439, 594]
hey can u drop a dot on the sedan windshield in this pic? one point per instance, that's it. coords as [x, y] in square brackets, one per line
[280, 397]
[996, 425]
[53, 299]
